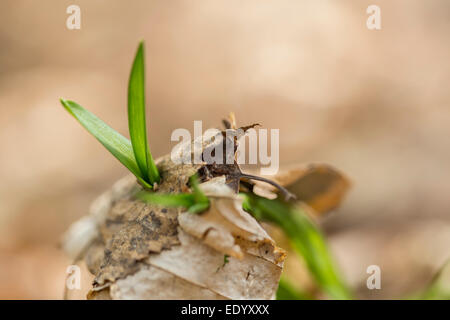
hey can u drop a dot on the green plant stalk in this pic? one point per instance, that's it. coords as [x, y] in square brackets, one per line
[137, 119]
[304, 237]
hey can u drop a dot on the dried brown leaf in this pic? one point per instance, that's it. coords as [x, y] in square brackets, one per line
[320, 186]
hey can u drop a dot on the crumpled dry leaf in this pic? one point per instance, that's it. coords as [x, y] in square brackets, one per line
[252, 273]
[227, 228]
[320, 186]
[247, 278]
[134, 239]
[154, 283]
[133, 229]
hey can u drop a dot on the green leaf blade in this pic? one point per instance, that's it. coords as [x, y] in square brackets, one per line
[185, 200]
[137, 120]
[195, 202]
[119, 146]
[305, 238]
[286, 291]
[439, 287]
[200, 197]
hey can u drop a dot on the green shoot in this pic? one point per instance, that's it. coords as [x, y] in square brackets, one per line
[194, 202]
[439, 288]
[118, 145]
[226, 259]
[287, 292]
[134, 155]
[185, 200]
[198, 207]
[305, 238]
[137, 121]
[200, 197]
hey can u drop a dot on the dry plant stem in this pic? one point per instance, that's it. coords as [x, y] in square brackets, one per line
[287, 195]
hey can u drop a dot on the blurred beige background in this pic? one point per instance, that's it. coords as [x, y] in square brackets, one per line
[373, 103]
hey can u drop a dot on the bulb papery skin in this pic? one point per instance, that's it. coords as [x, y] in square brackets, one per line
[129, 249]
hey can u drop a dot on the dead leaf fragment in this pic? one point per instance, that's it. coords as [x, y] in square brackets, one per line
[248, 278]
[320, 186]
[157, 284]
